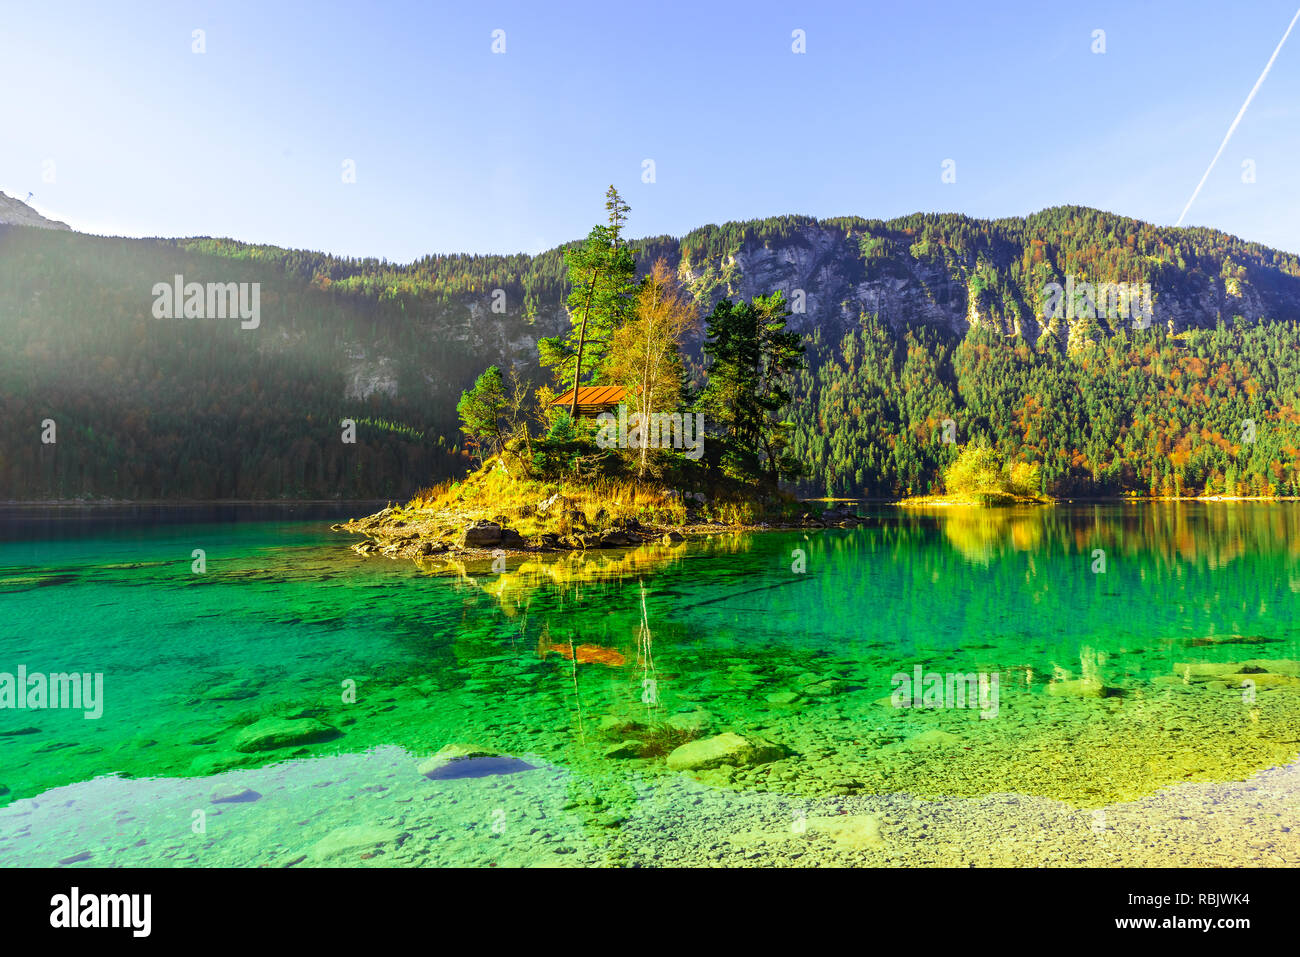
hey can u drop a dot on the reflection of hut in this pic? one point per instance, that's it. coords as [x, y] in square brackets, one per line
[592, 399]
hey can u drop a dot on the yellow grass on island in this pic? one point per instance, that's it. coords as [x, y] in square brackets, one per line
[502, 492]
[501, 508]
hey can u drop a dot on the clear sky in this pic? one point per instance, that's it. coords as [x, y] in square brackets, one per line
[459, 149]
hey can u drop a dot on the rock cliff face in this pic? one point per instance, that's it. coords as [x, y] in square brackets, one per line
[823, 270]
[14, 212]
[954, 272]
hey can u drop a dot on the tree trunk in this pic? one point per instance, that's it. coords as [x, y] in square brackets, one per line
[772, 469]
[582, 339]
[645, 400]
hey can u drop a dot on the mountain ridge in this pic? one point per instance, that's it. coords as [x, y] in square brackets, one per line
[926, 268]
[894, 313]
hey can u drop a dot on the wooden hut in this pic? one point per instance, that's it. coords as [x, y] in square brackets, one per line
[592, 400]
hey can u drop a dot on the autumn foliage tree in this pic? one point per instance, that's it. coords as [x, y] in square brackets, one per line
[645, 354]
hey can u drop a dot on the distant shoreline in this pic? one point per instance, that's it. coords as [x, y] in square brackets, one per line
[911, 501]
[940, 501]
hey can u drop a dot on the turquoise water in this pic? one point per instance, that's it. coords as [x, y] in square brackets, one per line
[1175, 667]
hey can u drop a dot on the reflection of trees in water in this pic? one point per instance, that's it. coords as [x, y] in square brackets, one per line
[1161, 536]
[982, 535]
[564, 575]
[1092, 665]
[645, 658]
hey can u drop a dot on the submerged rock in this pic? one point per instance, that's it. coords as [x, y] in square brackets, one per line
[813, 684]
[1228, 670]
[231, 796]
[1262, 680]
[627, 749]
[1206, 669]
[1231, 640]
[271, 733]
[1080, 688]
[1277, 666]
[783, 697]
[851, 831]
[727, 748]
[691, 722]
[233, 690]
[467, 761]
[353, 843]
[453, 752]
[721, 776]
[618, 727]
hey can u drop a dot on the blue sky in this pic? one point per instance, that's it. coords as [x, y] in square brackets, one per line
[458, 149]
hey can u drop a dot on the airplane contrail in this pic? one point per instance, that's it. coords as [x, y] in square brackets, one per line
[1240, 113]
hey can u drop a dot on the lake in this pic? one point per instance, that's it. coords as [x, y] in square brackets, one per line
[1091, 685]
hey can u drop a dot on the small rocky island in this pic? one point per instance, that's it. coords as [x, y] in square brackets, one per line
[621, 448]
[492, 513]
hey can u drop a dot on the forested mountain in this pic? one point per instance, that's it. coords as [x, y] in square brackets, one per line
[908, 322]
[148, 408]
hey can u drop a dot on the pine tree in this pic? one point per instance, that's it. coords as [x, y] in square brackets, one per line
[480, 409]
[753, 358]
[602, 274]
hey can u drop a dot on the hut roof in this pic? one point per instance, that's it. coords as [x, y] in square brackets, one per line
[592, 396]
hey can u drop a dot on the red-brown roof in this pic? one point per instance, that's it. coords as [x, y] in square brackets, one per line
[593, 395]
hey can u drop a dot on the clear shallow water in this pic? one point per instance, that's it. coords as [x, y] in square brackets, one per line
[285, 618]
